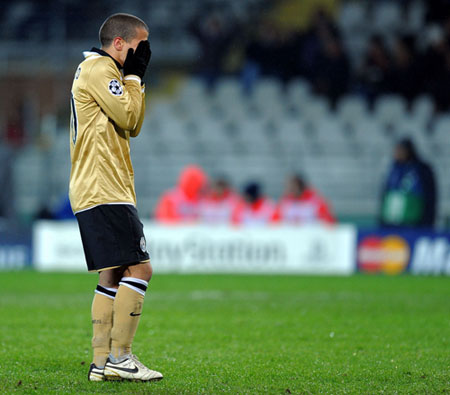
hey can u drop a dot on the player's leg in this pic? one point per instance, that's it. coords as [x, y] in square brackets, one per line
[102, 321]
[122, 364]
[128, 307]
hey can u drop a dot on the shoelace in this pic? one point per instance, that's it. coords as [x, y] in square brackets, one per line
[137, 362]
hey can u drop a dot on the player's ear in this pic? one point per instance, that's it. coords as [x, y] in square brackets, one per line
[118, 43]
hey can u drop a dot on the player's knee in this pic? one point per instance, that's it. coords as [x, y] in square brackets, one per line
[142, 271]
[109, 278]
[147, 271]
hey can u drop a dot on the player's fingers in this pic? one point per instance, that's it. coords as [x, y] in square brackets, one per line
[143, 49]
[129, 54]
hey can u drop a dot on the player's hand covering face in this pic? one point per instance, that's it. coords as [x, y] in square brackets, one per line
[137, 61]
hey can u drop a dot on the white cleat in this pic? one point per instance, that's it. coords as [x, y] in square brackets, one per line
[130, 369]
[95, 373]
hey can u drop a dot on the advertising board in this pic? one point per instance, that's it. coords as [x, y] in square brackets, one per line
[398, 251]
[202, 249]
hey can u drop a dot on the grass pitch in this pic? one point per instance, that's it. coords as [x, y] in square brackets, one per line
[236, 334]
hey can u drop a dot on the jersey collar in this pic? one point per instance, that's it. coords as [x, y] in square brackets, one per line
[103, 53]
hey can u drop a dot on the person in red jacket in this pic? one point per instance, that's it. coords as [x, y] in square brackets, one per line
[255, 208]
[219, 202]
[301, 204]
[182, 203]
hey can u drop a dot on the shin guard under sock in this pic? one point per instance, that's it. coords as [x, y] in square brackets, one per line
[102, 316]
[127, 311]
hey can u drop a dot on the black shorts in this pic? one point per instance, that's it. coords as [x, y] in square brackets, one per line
[112, 236]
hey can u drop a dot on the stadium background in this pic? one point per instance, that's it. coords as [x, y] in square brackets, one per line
[252, 90]
[286, 87]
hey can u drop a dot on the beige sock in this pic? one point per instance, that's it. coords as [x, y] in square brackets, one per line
[102, 322]
[127, 312]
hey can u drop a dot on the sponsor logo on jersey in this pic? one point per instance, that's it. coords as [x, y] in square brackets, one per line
[115, 88]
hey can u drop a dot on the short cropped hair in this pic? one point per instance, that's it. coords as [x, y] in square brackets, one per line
[120, 25]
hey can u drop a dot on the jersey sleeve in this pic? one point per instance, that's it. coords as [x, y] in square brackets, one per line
[135, 132]
[121, 102]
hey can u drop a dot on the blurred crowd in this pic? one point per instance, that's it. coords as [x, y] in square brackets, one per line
[197, 199]
[409, 198]
[409, 65]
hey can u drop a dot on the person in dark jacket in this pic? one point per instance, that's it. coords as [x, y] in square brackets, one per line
[409, 196]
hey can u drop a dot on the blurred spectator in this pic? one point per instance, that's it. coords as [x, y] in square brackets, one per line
[214, 35]
[219, 202]
[44, 213]
[7, 198]
[62, 211]
[404, 77]
[435, 65]
[437, 10]
[261, 55]
[301, 204]
[15, 131]
[310, 44]
[182, 203]
[409, 196]
[332, 69]
[373, 75]
[255, 208]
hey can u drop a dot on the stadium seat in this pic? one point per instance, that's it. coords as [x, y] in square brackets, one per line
[227, 91]
[422, 110]
[387, 16]
[415, 17]
[192, 89]
[315, 109]
[352, 16]
[440, 136]
[351, 109]
[31, 183]
[390, 109]
[267, 90]
[298, 92]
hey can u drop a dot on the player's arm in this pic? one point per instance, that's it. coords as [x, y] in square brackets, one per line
[135, 132]
[122, 103]
[135, 65]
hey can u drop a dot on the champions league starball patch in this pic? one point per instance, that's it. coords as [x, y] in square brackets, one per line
[115, 88]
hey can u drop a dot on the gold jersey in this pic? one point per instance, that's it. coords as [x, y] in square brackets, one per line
[107, 109]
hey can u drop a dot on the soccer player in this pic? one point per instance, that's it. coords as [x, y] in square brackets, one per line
[108, 108]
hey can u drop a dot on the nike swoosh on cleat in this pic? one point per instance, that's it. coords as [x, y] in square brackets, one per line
[134, 314]
[135, 370]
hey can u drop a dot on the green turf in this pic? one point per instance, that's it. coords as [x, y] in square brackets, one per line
[236, 334]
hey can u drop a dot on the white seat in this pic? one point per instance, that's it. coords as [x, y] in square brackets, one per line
[371, 138]
[416, 16]
[228, 91]
[441, 130]
[316, 109]
[352, 16]
[390, 109]
[192, 89]
[422, 109]
[267, 90]
[298, 93]
[351, 109]
[387, 15]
